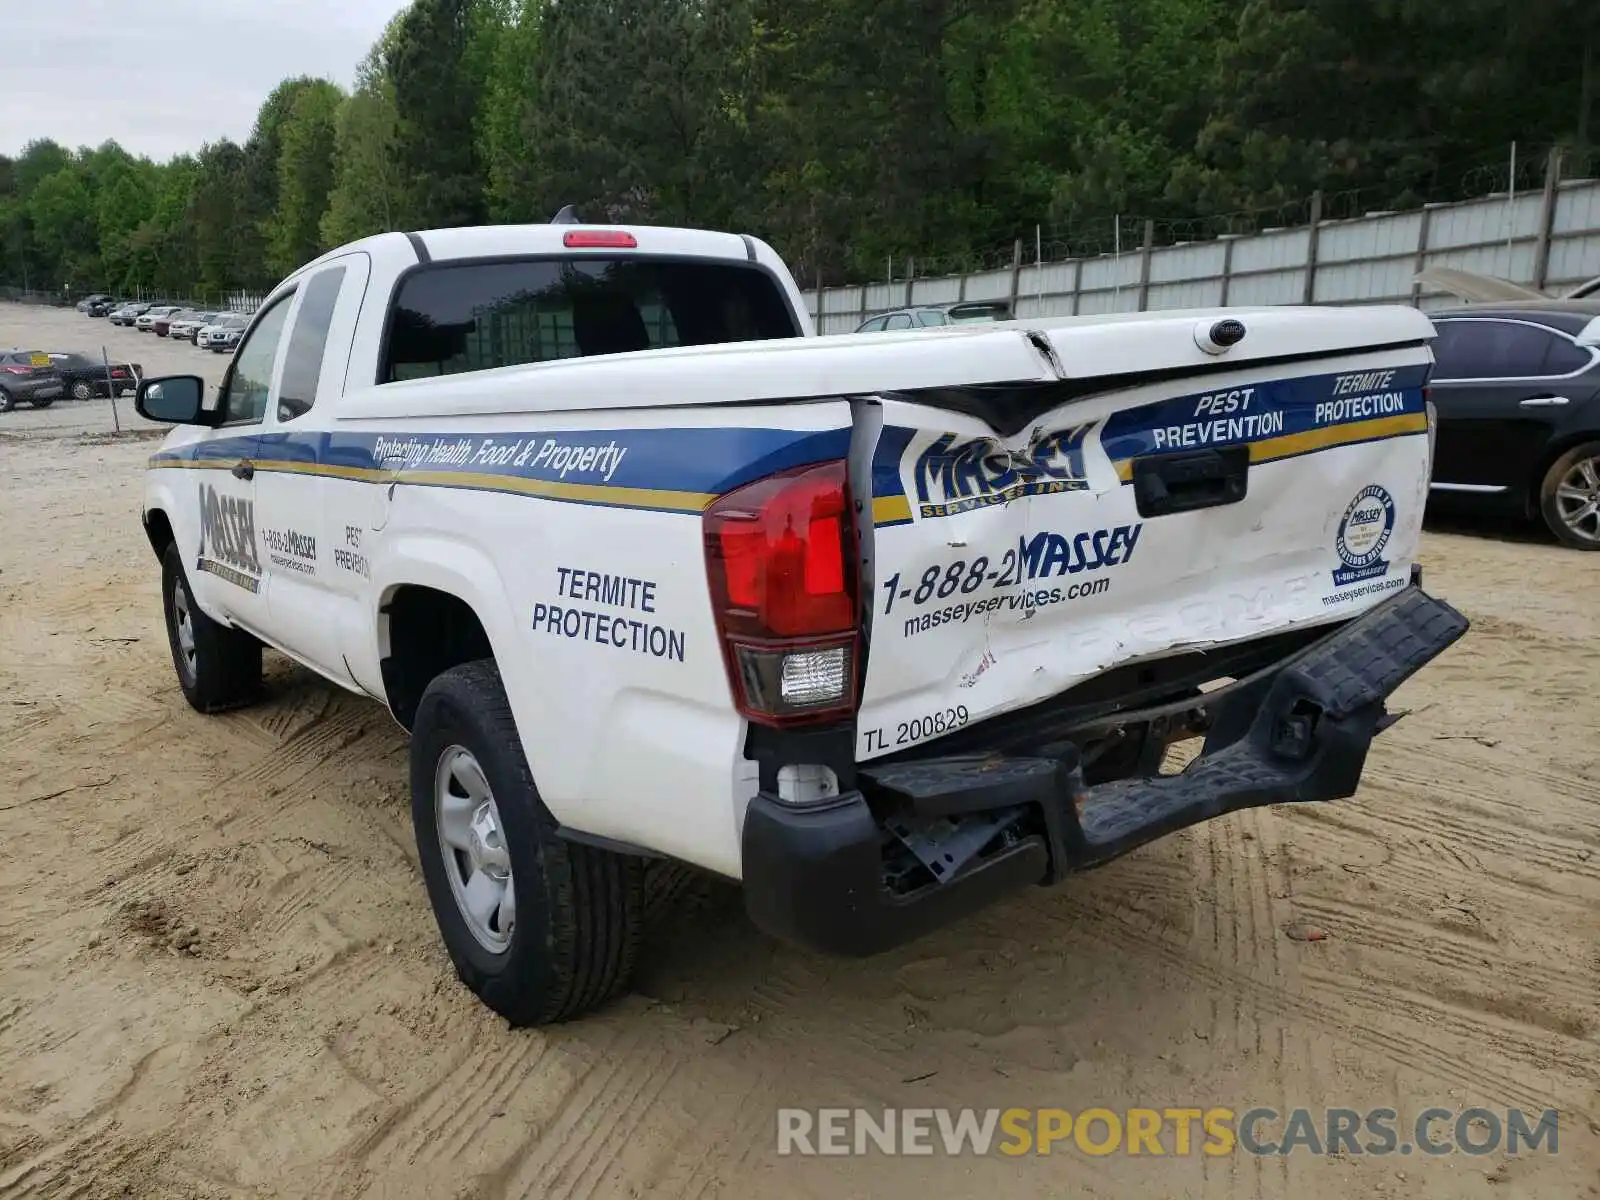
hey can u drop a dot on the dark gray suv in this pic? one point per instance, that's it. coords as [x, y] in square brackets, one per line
[29, 375]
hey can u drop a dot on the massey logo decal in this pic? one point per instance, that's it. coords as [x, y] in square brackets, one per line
[956, 476]
[1362, 535]
[228, 539]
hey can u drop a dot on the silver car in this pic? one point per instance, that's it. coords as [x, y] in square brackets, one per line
[128, 313]
[184, 326]
[145, 322]
[967, 312]
[223, 334]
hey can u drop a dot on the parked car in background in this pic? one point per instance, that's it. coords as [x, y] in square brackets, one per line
[183, 326]
[105, 307]
[222, 335]
[145, 322]
[28, 375]
[88, 302]
[163, 324]
[128, 313]
[966, 312]
[1517, 387]
[1472, 288]
[84, 375]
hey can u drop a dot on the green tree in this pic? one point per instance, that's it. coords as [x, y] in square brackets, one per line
[368, 195]
[305, 177]
[436, 100]
[217, 211]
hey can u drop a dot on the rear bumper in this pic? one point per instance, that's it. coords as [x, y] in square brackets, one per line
[984, 826]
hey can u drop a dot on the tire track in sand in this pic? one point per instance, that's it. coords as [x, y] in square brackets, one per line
[1404, 1047]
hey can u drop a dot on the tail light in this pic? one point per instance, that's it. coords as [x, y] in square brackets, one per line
[782, 563]
[606, 239]
[16, 369]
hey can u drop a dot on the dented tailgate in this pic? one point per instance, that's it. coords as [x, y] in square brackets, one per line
[1207, 506]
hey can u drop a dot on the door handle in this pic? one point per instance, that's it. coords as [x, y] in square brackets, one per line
[1175, 483]
[1543, 402]
[244, 469]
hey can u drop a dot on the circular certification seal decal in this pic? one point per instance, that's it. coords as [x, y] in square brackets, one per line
[1365, 529]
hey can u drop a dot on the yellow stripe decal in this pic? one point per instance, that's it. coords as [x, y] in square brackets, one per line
[581, 493]
[890, 510]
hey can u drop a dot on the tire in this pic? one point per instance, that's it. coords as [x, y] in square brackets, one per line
[6, 402]
[222, 670]
[1569, 497]
[82, 390]
[575, 911]
[42, 403]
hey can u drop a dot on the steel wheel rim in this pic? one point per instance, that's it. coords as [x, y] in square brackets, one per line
[472, 844]
[183, 625]
[1578, 499]
[81, 391]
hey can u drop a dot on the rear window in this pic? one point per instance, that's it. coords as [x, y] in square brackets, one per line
[475, 316]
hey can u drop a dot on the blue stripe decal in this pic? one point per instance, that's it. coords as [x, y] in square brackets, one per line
[694, 462]
[1296, 410]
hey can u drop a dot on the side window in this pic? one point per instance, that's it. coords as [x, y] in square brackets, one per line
[931, 316]
[1564, 358]
[308, 342]
[872, 326]
[245, 402]
[1489, 349]
[899, 321]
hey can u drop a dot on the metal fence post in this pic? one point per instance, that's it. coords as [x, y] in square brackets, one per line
[1313, 235]
[1547, 218]
[911, 278]
[105, 360]
[1016, 273]
[1421, 260]
[1144, 264]
[1077, 285]
[1227, 267]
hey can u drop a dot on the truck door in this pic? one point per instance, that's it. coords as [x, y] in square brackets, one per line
[299, 501]
[229, 567]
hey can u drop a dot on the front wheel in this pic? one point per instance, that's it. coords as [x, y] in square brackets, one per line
[1569, 497]
[218, 667]
[6, 402]
[540, 929]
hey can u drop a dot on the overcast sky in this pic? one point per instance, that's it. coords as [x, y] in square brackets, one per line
[163, 76]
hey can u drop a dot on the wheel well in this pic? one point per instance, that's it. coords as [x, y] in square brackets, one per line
[159, 530]
[1552, 452]
[429, 632]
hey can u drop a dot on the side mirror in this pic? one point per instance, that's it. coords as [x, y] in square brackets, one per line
[175, 399]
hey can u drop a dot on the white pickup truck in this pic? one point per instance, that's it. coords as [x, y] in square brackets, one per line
[882, 626]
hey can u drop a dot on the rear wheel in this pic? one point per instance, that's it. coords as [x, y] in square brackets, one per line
[82, 390]
[39, 403]
[218, 667]
[1569, 497]
[540, 929]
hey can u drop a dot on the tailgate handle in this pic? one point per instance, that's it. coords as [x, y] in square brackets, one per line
[1174, 483]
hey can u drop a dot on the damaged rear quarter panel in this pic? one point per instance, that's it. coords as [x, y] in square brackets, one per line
[1006, 570]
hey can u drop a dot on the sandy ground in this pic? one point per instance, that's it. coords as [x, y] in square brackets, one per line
[219, 975]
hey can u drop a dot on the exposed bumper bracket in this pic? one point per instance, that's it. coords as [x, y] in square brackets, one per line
[1296, 732]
